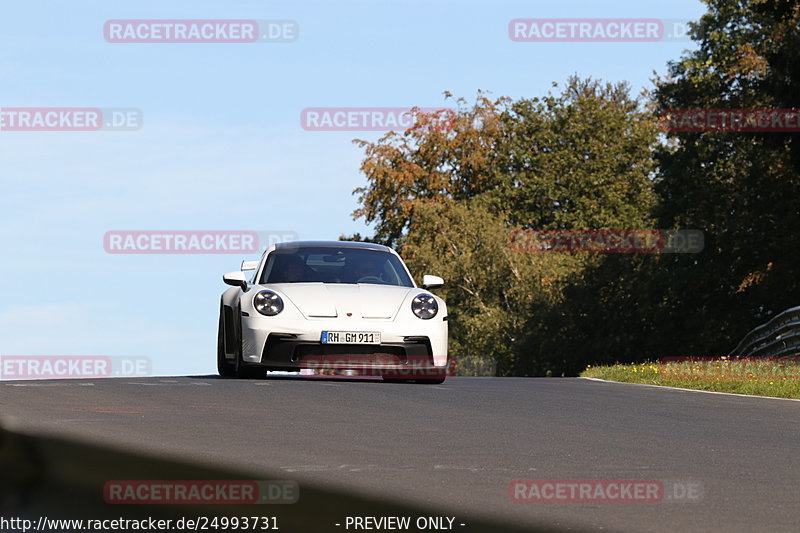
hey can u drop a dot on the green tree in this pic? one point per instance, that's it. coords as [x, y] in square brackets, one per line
[490, 290]
[448, 197]
[741, 188]
[578, 160]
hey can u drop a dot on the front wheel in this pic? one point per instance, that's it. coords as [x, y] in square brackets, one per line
[249, 372]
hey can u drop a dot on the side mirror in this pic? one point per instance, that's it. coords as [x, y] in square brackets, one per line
[237, 279]
[249, 265]
[432, 282]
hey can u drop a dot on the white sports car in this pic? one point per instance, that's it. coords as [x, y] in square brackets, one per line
[346, 307]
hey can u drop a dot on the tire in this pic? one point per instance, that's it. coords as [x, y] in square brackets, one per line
[224, 367]
[248, 372]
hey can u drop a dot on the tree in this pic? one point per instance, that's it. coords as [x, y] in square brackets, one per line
[448, 198]
[741, 188]
[491, 291]
[445, 155]
[578, 160]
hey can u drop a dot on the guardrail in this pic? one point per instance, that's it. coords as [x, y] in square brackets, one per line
[778, 337]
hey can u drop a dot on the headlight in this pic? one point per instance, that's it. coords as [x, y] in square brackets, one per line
[268, 303]
[425, 306]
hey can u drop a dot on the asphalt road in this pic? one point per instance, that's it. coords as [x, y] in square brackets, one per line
[456, 446]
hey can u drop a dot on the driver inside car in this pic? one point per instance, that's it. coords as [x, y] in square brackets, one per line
[288, 269]
[365, 271]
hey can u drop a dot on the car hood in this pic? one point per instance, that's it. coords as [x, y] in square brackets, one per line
[325, 300]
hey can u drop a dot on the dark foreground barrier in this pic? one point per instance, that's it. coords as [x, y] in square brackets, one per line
[45, 480]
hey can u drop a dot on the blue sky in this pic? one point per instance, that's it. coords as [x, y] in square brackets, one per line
[221, 146]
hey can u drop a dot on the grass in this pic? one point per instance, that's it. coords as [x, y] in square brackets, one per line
[778, 378]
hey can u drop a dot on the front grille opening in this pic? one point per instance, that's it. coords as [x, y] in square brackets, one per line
[358, 352]
[342, 355]
[284, 350]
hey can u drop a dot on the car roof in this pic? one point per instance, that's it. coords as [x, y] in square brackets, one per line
[332, 244]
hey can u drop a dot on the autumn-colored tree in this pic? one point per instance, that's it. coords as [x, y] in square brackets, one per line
[447, 154]
[589, 157]
[448, 197]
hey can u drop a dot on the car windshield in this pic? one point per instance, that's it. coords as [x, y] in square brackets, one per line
[335, 265]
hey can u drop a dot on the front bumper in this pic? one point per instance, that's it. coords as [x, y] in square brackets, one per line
[283, 351]
[295, 344]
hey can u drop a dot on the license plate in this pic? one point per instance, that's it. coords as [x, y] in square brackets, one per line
[351, 337]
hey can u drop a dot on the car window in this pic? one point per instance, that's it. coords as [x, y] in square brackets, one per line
[335, 265]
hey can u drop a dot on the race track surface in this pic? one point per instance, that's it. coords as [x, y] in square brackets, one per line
[454, 447]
